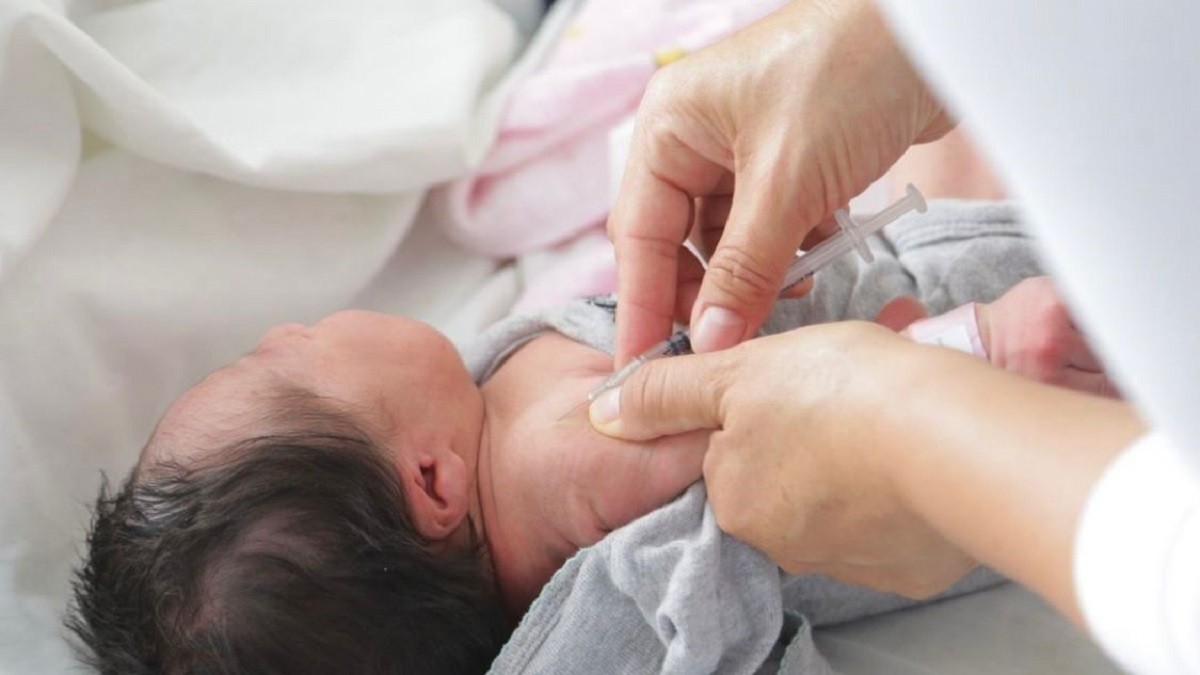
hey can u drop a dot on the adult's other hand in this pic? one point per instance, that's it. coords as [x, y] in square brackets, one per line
[755, 141]
[796, 466]
[848, 450]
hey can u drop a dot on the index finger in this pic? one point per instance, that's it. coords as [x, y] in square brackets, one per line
[648, 223]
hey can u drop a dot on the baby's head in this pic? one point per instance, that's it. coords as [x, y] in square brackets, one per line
[310, 508]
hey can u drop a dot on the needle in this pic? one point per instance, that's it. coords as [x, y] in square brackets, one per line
[575, 409]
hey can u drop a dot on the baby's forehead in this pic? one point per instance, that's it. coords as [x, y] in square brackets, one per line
[231, 403]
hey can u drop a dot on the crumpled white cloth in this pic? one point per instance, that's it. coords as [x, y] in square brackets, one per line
[374, 96]
[543, 191]
[178, 175]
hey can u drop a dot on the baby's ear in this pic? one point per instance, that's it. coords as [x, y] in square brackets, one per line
[437, 488]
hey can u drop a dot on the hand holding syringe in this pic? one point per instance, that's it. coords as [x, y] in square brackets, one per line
[850, 236]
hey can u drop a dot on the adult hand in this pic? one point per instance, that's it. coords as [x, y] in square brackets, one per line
[848, 450]
[801, 111]
[800, 465]
[1029, 331]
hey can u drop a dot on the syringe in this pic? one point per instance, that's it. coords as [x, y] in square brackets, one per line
[851, 236]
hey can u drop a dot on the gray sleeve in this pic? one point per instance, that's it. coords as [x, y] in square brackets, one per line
[589, 321]
[667, 593]
[957, 252]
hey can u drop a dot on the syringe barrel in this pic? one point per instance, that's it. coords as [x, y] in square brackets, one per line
[822, 254]
[911, 201]
[839, 244]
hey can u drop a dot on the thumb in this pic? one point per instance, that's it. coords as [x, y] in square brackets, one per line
[666, 397]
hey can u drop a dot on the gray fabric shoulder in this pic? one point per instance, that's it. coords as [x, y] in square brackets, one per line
[667, 593]
[957, 252]
[588, 322]
[950, 220]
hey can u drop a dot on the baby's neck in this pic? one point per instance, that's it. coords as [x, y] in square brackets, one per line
[532, 512]
[549, 484]
[524, 551]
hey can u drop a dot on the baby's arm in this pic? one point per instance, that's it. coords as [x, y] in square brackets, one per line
[1027, 331]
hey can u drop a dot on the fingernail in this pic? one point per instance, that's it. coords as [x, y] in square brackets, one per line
[606, 408]
[718, 328]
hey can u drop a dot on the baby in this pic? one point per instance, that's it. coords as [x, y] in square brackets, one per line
[352, 497]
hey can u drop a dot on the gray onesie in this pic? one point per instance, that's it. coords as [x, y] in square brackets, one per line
[670, 592]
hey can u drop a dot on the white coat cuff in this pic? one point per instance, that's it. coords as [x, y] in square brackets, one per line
[1137, 559]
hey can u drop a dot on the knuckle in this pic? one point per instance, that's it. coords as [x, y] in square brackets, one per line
[657, 116]
[1048, 351]
[1037, 284]
[1051, 312]
[1038, 368]
[659, 245]
[1044, 286]
[659, 91]
[745, 275]
[1043, 347]
[1047, 374]
[1050, 306]
[650, 391]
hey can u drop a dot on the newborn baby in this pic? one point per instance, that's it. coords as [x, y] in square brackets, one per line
[350, 497]
[348, 484]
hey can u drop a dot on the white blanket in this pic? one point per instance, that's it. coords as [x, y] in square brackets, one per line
[178, 175]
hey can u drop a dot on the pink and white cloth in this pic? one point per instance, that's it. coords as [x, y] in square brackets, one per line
[544, 188]
[956, 329]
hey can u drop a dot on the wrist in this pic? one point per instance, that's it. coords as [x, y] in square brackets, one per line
[904, 411]
[929, 431]
[984, 458]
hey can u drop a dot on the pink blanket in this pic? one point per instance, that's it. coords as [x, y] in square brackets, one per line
[543, 192]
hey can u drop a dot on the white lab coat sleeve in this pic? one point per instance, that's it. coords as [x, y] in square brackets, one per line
[1137, 560]
[1089, 111]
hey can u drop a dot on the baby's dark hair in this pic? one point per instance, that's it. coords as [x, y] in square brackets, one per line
[291, 553]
